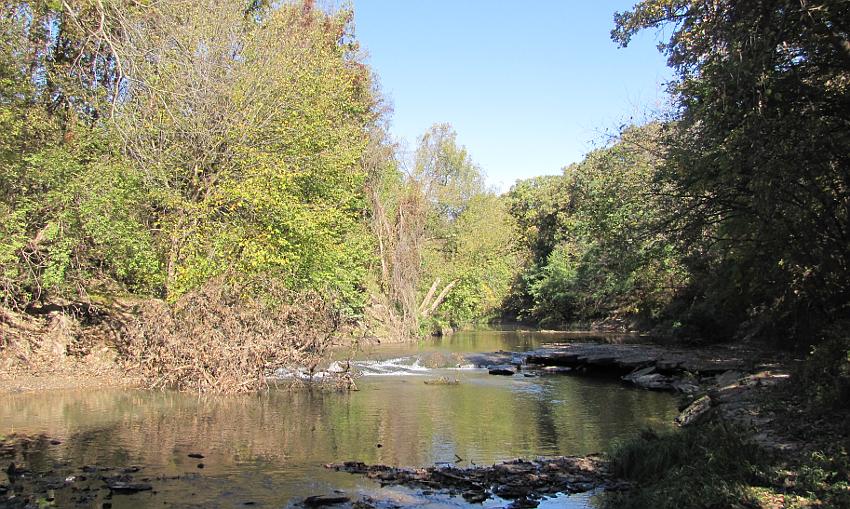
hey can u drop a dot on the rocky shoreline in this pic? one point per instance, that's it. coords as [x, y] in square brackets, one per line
[523, 482]
[646, 366]
[721, 382]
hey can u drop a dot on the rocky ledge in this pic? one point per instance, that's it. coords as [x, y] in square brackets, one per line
[647, 366]
[524, 482]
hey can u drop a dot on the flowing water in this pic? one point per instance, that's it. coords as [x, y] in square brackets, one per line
[268, 450]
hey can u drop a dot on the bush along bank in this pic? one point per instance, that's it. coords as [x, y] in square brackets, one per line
[756, 441]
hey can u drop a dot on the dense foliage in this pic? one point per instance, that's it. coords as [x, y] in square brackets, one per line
[733, 217]
[758, 159]
[150, 148]
[445, 240]
[596, 249]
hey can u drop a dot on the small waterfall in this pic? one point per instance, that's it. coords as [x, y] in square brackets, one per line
[410, 365]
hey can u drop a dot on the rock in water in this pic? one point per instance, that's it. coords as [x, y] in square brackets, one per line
[685, 387]
[475, 497]
[325, 500]
[634, 375]
[128, 487]
[655, 381]
[503, 369]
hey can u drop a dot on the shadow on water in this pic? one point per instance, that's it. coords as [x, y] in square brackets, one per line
[269, 448]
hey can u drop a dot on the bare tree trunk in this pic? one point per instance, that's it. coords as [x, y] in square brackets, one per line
[439, 299]
[427, 300]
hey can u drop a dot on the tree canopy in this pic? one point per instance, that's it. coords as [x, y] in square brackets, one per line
[758, 156]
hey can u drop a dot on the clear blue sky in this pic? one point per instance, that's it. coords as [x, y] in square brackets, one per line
[528, 86]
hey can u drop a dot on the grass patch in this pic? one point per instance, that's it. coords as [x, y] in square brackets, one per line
[825, 476]
[707, 466]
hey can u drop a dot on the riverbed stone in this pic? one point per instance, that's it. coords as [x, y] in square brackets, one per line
[128, 486]
[654, 381]
[503, 369]
[325, 500]
[475, 496]
[685, 386]
[518, 480]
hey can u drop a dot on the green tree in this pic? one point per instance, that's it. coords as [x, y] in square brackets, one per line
[594, 237]
[758, 158]
[152, 147]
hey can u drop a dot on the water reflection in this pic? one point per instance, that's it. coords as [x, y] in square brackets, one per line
[270, 448]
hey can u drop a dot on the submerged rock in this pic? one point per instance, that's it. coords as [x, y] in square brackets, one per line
[128, 486]
[325, 500]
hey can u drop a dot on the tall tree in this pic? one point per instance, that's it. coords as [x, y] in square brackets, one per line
[155, 146]
[759, 156]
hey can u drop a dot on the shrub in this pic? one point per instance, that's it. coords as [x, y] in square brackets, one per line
[706, 466]
[825, 376]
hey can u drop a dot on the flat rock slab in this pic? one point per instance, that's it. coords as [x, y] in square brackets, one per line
[486, 360]
[670, 368]
[629, 357]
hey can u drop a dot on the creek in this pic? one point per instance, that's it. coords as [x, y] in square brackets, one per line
[268, 450]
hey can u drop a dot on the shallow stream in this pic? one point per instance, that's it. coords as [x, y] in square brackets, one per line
[268, 450]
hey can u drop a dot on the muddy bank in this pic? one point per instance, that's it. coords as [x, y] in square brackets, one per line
[67, 379]
[523, 482]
